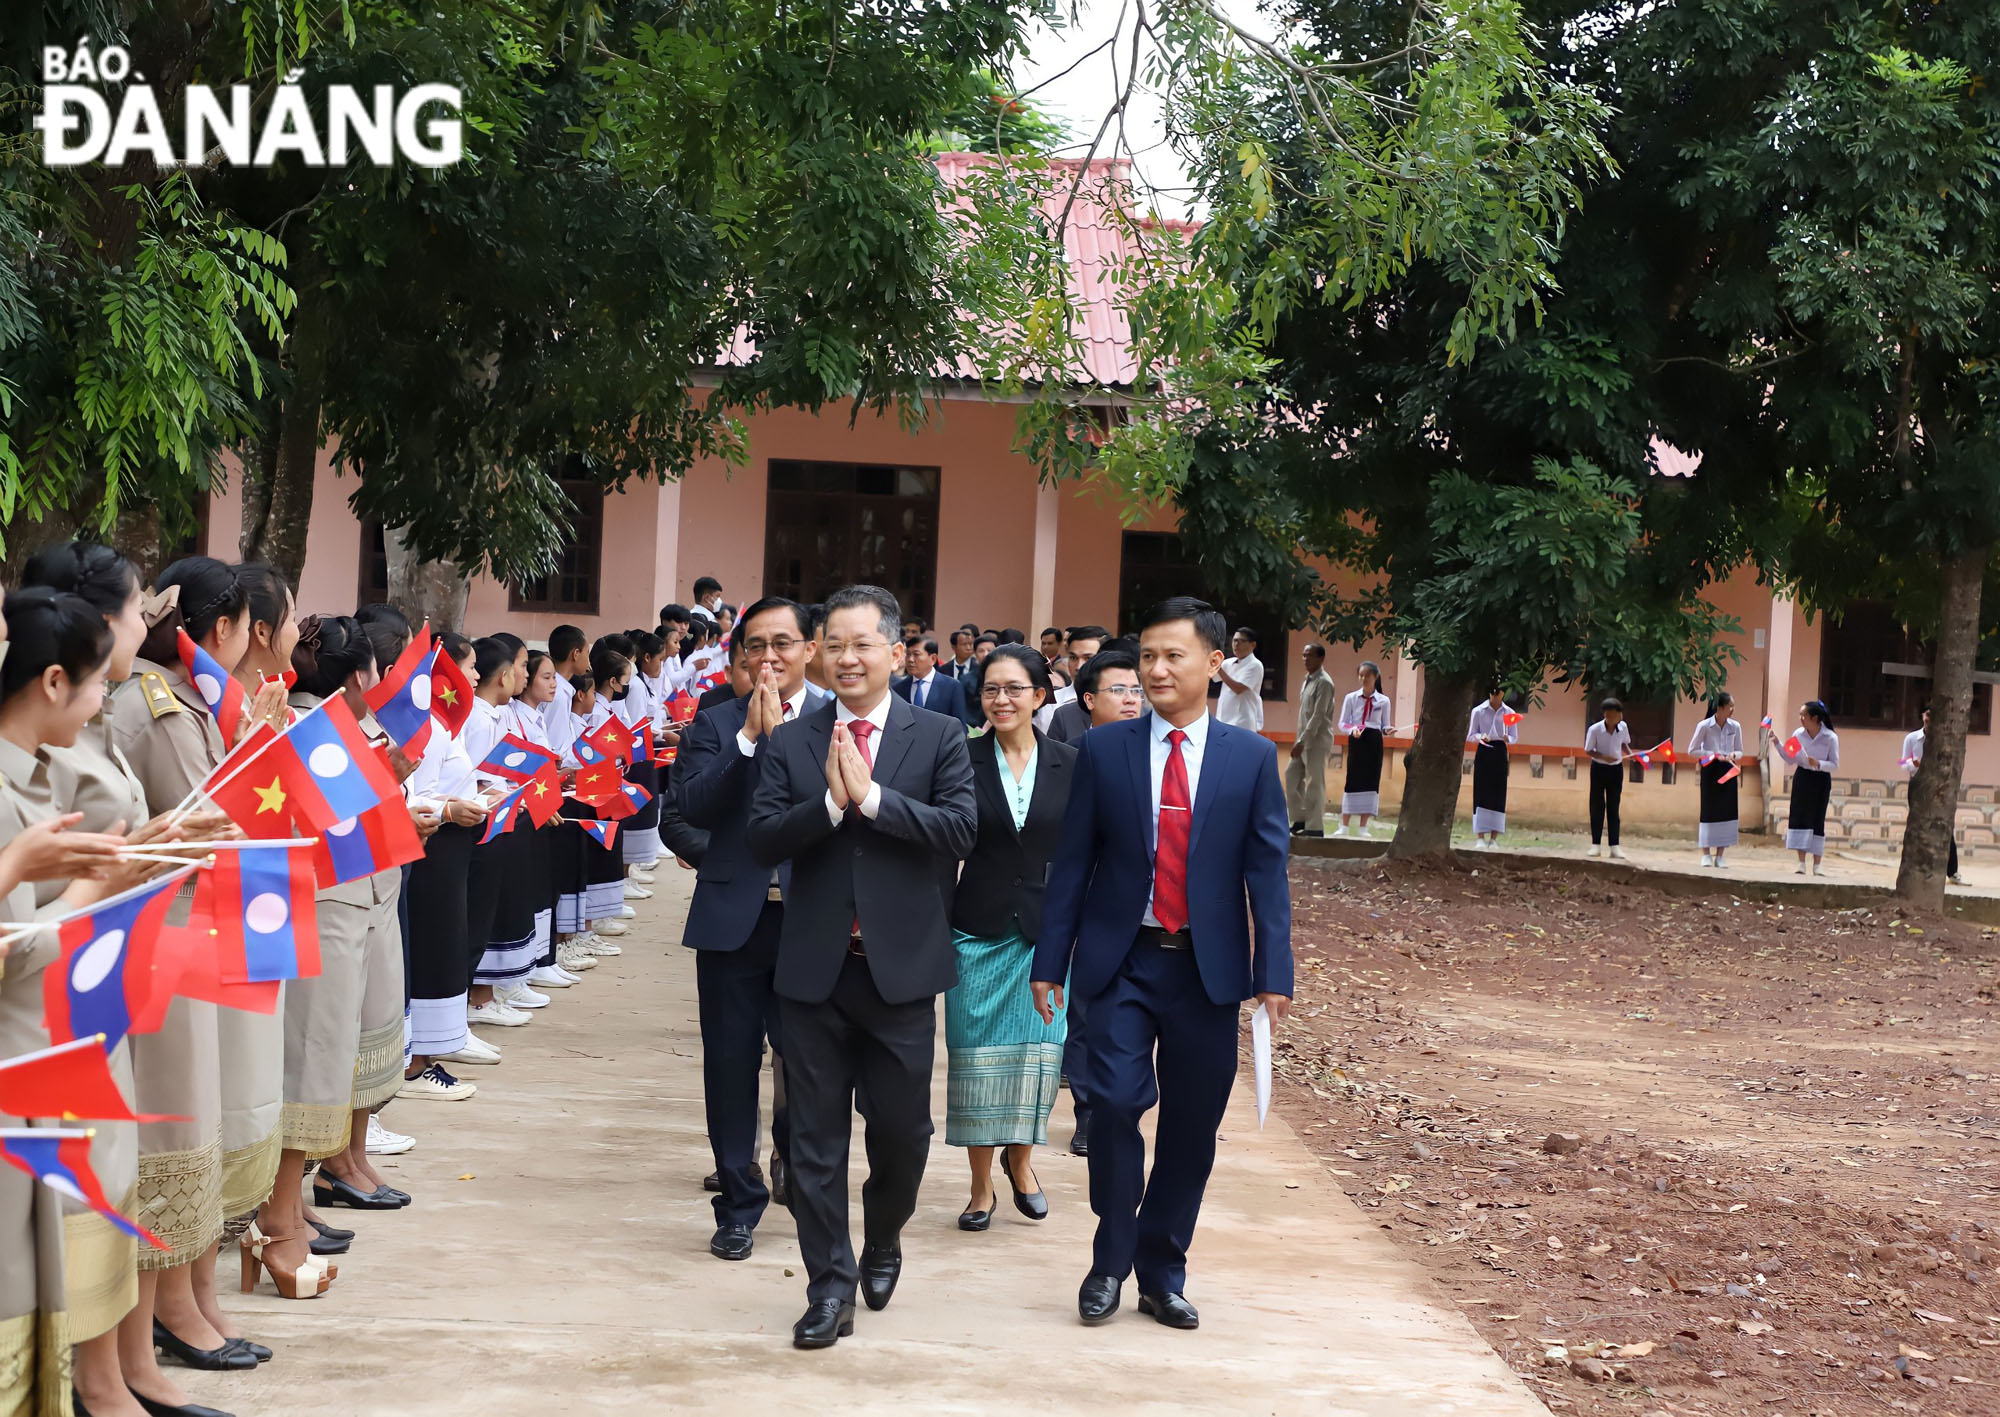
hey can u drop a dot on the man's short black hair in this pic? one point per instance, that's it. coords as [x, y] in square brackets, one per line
[1611, 706]
[674, 613]
[929, 643]
[800, 615]
[852, 597]
[816, 612]
[1209, 626]
[1088, 632]
[961, 630]
[970, 629]
[1011, 636]
[706, 584]
[1247, 633]
[566, 640]
[986, 637]
[1316, 648]
[1052, 630]
[1092, 669]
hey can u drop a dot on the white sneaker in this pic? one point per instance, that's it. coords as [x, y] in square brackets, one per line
[592, 943]
[1340, 830]
[574, 961]
[549, 976]
[1706, 859]
[383, 1142]
[635, 891]
[437, 1084]
[626, 912]
[497, 1014]
[642, 874]
[1617, 853]
[519, 996]
[1593, 849]
[477, 1052]
[1720, 864]
[1800, 869]
[608, 928]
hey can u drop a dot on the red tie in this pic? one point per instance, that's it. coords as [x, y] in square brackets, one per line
[862, 730]
[1170, 855]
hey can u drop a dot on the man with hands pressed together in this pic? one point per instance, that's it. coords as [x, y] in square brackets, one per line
[738, 910]
[1174, 820]
[871, 803]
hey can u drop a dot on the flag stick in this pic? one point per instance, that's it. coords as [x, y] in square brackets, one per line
[284, 843]
[29, 927]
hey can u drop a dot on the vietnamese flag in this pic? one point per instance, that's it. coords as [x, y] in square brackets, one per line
[1791, 746]
[625, 802]
[328, 768]
[614, 740]
[69, 1080]
[596, 782]
[401, 702]
[542, 796]
[60, 1160]
[1663, 750]
[259, 909]
[254, 797]
[1510, 717]
[681, 707]
[451, 692]
[105, 982]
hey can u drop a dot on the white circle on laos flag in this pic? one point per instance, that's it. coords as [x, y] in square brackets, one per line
[342, 828]
[97, 960]
[63, 1186]
[267, 913]
[328, 760]
[420, 690]
[210, 690]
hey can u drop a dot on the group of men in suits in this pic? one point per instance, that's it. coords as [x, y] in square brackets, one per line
[829, 827]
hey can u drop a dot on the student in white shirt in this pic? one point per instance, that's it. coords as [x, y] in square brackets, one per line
[1241, 703]
[1913, 761]
[1719, 738]
[1493, 734]
[1607, 743]
[1812, 785]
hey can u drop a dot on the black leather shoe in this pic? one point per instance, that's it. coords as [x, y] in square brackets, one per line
[226, 1359]
[255, 1350]
[825, 1322]
[1298, 828]
[330, 1232]
[321, 1245]
[1098, 1299]
[732, 1242]
[330, 1191]
[881, 1267]
[167, 1409]
[401, 1198]
[1170, 1309]
[976, 1219]
[1032, 1204]
[713, 1180]
[781, 1191]
[1079, 1145]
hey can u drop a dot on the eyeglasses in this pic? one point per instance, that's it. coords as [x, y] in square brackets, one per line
[1122, 691]
[1012, 691]
[839, 649]
[783, 644]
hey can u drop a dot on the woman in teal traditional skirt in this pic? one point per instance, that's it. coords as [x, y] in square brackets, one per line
[1005, 1063]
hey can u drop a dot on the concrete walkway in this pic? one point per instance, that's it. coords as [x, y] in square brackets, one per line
[555, 1261]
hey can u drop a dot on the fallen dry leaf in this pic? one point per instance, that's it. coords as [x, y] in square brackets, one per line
[1752, 1327]
[1909, 1352]
[467, 1176]
[1633, 1350]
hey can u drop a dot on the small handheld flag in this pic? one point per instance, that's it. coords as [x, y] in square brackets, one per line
[681, 707]
[603, 833]
[1352, 730]
[625, 802]
[614, 740]
[585, 752]
[642, 745]
[104, 982]
[1766, 721]
[597, 782]
[1791, 747]
[1735, 771]
[329, 769]
[1510, 717]
[250, 792]
[401, 702]
[69, 1080]
[258, 908]
[517, 759]
[60, 1159]
[505, 813]
[541, 796]
[362, 846]
[451, 692]
[227, 702]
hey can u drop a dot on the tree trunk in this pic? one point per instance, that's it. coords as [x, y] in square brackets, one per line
[424, 590]
[1435, 764]
[1920, 877]
[278, 490]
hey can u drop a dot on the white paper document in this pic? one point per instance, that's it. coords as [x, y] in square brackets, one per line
[1260, 1049]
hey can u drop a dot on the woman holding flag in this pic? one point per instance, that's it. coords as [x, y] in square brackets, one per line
[1817, 755]
[1717, 745]
[639, 835]
[500, 895]
[1494, 727]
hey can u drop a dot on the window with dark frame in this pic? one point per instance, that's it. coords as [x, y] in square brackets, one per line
[1153, 565]
[572, 588]
[1871, 673]
[830, 524]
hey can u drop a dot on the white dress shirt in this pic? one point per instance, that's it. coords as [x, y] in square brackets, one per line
[1490, 722]
[1823, 748]
[1913, 751]
[555, 715]
[1607, 745]
[794, 705]
[1725, 740]
[488, 724]
[1244, 708]
[1364, 710]
[879, 716]
[1192, 751]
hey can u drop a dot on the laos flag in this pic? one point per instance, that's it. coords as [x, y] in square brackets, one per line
[104, 981]
[603, 833]
[258, 904]
[60, 1159]
[643, 750]
[401, 702]
[517, 759]
[505, 813]
[218, 688]
[625, 802]
[329, 769]
[362, 846]
[585, 751]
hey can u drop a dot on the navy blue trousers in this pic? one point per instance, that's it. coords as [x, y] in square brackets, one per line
[1154, 1037]
[738, 1009]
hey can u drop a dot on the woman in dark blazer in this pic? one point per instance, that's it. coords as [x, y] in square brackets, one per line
[1005, 1063]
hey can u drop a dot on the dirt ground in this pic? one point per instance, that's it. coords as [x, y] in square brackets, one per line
[1670, 1155]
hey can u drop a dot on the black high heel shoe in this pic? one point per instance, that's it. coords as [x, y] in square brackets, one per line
[976, 1219]
[330, 1232]
[329, 1191]
[1032, 1204]
[227, 1359]
[255, 1350]
[167, 1409]
[321, 1245]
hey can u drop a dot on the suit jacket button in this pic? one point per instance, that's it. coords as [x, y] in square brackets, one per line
[857, 851]
[1017, 880]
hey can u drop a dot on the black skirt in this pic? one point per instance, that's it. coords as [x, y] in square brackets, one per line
[502, 885]
[435, 893]
[1812, 790]
[1364, 762]
[1718, 804]
[1489, 778]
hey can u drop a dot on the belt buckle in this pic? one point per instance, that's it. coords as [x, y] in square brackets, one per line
[775, 893]
[854, 947]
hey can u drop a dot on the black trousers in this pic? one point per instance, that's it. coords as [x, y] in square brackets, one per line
[1607, 785]
[855, 1050]
[1154, 1037]
[737, 1009]
[1072, 1063]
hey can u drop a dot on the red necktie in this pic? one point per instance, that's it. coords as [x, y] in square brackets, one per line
[862, 730]
[1171, 852]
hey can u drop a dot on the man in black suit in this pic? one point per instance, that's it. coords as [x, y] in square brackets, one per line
[871, 801]
[962, 666]
[738, 910]
[926, 685]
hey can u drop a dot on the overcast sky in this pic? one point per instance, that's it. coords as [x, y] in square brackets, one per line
[1083, 96]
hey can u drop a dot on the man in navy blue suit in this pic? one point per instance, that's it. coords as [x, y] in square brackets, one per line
[926, 685]
[1173, 821]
